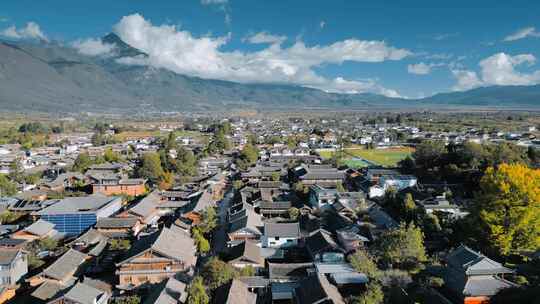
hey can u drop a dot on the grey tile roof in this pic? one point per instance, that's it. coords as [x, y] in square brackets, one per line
[82, 293]
[65, 266]
[246, 250]
[116, 222]
[40, 228]
[287, 230]
[171, 242]
[474, 263]
[321, 241]
[170, 291]
[50, 289]
[317, 289]
[8, 255]
[91, 236]
[485, 285]
[236, 292]
[147, 206]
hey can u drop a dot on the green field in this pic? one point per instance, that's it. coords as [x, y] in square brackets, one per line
[385, 157]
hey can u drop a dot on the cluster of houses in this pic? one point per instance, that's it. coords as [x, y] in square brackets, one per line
[294, 220]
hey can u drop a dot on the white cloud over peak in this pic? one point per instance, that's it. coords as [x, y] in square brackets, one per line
[498, 69]
[93, 47]
[522, 33]
[30, 31]
[178, 50]
[265, 37]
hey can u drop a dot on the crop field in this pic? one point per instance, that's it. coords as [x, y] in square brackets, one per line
[385, 157]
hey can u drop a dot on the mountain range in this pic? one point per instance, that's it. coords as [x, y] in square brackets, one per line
[49, 77]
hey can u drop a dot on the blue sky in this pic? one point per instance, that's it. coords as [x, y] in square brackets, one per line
[405, 48]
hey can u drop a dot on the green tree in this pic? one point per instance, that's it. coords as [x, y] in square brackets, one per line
[429, 153]
[407, 165]
[276, 176]
[151, 168]
[340, 187]
[186, 162]
[362, 262]
[110, 156]
[34, 261]
[238, 184]
[7, 187]
[373, 294]
[48, 243]
[202, 244]
[409, 207]
[16, 171]
[507, 206]
[403, 246]
[247, 271]
[8, 217]
[216, 273]
[209, 220]
[134, 299]
[293, 213]
[82, 162]
[119, 244]
[197, 292]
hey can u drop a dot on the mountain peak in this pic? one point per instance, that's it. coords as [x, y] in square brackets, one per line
[124, 49]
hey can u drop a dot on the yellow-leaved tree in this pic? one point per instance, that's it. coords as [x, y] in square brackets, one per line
[508, 206]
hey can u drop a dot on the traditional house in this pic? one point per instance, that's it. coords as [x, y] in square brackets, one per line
[317, 289]
[38, 230]
[13, 266]
[116, 184]
[59, 276]
[235, 292]
[473, 277]
[322, 247]
[278, 235]
[83, 293]
[244, 223]
[351, 239]
[157, 257]
[244, 254]
[119, 227]
[170, 291]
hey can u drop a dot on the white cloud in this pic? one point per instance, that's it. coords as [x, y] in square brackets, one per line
[179, 51]
[210, 2]
[498, 69]
[466, 80]
[265, 37]
[419, 68]
[30, 31]
[522, 33]
[93, 47]
[341, 85]
[422, 68]
[322, 24]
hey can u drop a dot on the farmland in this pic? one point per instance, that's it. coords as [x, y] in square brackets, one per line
[388, 157]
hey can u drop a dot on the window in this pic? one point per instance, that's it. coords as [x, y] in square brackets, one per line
[276, 238]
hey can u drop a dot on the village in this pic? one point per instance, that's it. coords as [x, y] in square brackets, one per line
[257, 210]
